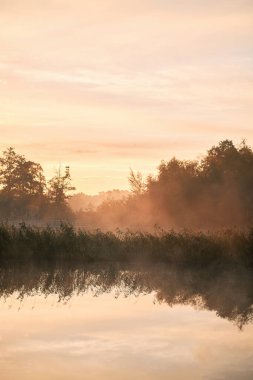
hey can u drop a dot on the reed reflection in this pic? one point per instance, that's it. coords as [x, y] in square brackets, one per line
[227, 292]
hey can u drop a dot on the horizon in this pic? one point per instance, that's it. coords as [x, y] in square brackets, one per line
[107, 86]
[78, 191]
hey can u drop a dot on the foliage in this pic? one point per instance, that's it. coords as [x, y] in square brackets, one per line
[214, 192]
[136, 182]
[20, 177]
[24, 193]
[59, 186]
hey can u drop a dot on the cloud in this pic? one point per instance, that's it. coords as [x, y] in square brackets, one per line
[124, 79]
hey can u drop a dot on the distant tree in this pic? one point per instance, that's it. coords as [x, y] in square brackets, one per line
[60, 186]
[136, 182]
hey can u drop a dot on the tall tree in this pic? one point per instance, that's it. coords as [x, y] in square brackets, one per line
[22, 186]
[9, 164]
[19, 177]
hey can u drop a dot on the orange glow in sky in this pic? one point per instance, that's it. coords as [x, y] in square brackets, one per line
[105, 85]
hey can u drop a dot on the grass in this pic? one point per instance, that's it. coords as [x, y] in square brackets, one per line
[187, 249]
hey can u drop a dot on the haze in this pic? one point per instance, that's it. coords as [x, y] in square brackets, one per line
[107, 85]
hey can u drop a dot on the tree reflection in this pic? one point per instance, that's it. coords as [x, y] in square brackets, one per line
[227, 292]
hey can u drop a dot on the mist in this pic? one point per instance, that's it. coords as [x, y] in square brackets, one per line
[212, 193]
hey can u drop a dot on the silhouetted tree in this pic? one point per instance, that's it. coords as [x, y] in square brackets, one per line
[136, 182]
[22, 185]
[60, 186]
[214, 192]
[23, 189]
[9, 164]
[58, 192]
[19, 177]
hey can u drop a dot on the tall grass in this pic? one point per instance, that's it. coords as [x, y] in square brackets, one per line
[197, 249]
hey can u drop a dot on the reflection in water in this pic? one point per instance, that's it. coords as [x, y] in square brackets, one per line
[229, 293]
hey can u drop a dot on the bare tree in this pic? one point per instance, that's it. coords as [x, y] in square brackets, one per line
[136, 182]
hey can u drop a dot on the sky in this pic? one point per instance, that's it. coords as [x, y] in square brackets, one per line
[108, 85]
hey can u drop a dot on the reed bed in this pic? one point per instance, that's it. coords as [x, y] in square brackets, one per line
[24, 243]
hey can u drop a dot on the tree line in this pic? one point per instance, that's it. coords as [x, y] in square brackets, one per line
[214, 192]
[25, 193]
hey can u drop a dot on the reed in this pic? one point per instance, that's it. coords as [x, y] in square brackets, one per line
[191, 249]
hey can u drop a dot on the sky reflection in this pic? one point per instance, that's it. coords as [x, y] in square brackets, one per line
[116, 332]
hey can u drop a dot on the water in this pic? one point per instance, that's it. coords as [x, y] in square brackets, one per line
[125, 323]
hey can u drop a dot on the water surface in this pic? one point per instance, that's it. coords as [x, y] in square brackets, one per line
[114, 322]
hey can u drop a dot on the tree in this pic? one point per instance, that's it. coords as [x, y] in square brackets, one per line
[31, 180]
[19, 177]
[136, 182]
[214, 192]
[59, 187]
[22, 186]
[9, 164]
